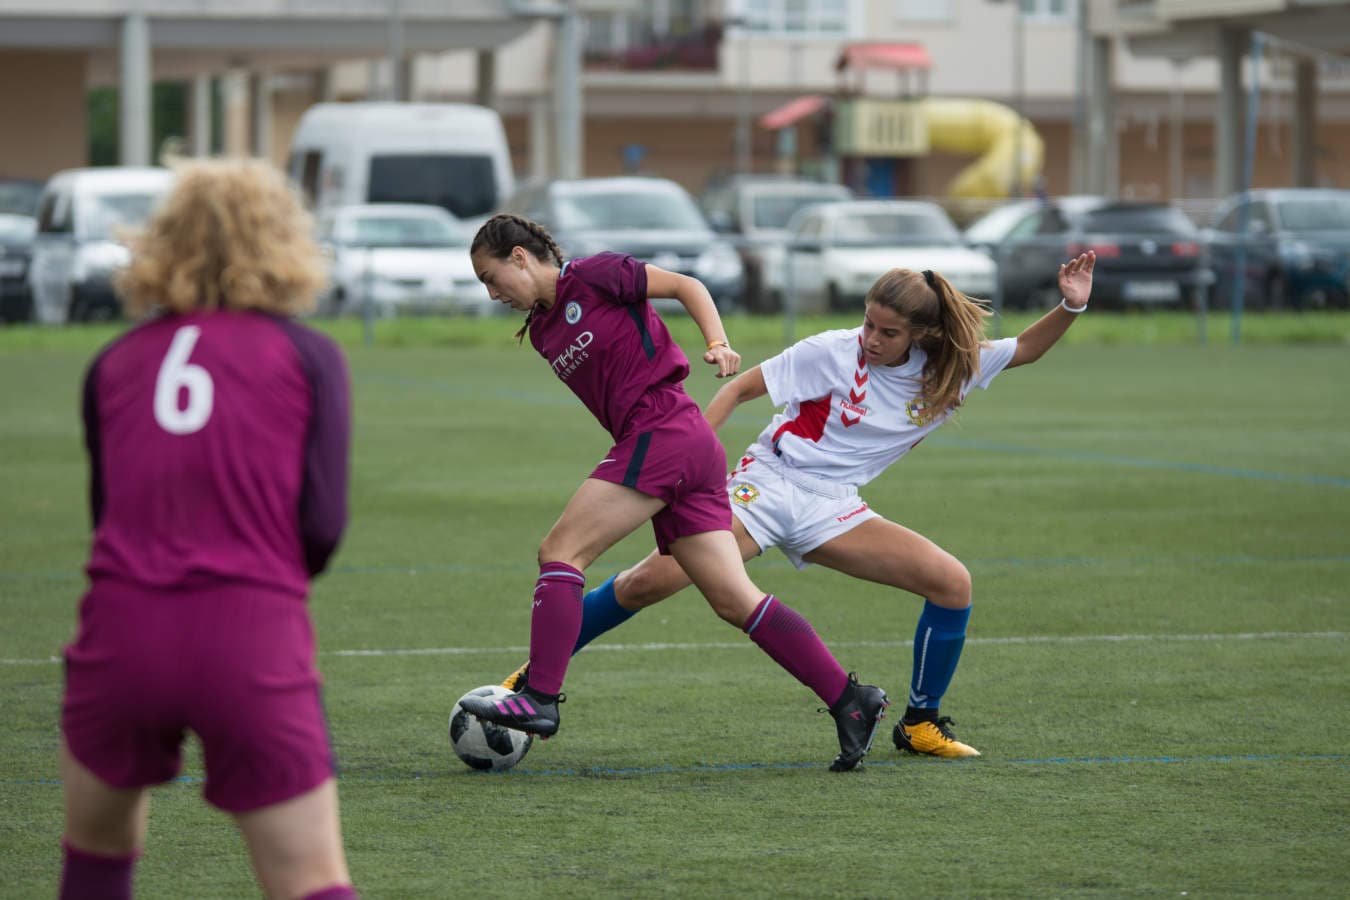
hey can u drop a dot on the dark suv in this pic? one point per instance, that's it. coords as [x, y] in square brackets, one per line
[1296, 248]
[1147, 253]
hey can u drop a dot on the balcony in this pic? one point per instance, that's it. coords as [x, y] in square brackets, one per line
[693, 50]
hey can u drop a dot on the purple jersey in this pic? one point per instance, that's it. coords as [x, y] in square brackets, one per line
[218, 446]
[604, 340]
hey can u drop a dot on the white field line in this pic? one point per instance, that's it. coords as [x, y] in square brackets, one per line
[746, 644]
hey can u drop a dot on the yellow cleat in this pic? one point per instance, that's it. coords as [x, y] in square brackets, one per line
[932, 739]
[516, 680]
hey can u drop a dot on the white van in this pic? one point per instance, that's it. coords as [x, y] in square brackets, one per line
[80, 216]
[452, 155]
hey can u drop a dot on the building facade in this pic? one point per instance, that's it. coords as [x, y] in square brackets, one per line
[1136, 98]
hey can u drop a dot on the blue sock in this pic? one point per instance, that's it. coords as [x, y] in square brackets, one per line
[938, 640]
[600, 612]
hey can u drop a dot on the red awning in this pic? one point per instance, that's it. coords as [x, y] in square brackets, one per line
[793, 111]
[884, 56]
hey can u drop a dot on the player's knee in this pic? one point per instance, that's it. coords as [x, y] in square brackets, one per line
[647, 584]
[954, 588]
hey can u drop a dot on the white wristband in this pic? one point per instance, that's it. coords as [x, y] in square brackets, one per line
[1064, 305]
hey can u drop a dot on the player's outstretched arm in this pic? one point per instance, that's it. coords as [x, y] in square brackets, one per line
[696, 300]
[746, 386]
[1075, 286]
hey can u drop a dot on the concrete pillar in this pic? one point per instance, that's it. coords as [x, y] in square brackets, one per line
[134, 91]
[199, 110]
[539, 135]
[1102, 139]
[260, 114]
[1305, 124]
[570, 152]
[1228, 130]
[325, 87]
[485, 93]
[1176, 142]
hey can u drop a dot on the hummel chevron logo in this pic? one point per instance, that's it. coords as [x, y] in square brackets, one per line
[849, 421]
[860, 379]
[856, 714]
[856, 397]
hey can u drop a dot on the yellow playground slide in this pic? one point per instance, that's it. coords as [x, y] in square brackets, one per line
[990, 131]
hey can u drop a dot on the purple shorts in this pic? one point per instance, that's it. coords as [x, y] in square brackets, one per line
[235, 666]
[671, 453]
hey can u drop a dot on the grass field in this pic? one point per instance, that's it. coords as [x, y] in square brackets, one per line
[1157, 672]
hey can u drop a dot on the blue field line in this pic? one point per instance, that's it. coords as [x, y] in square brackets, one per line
[781, 563]
[716, 768]
[562, 399]
[1144, 463]
[465, 389]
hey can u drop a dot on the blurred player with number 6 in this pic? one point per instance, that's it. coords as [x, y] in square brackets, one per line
[218, 434]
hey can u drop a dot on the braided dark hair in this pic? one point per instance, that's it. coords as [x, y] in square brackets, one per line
[499, 234]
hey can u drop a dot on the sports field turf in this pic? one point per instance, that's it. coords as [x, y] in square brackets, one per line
[1157, 672]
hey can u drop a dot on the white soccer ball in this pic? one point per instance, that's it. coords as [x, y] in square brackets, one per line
[486, 745]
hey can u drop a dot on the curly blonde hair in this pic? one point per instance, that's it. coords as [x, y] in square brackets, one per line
[232, 234]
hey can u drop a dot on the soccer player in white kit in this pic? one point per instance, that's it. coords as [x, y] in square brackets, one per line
[853, 402]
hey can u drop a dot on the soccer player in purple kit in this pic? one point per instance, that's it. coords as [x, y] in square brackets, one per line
[855, 401]
[590, 320]
[217, 432]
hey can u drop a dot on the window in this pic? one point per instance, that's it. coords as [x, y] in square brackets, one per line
[820, 18]
[465, 185]
[1049, 9]
[924, 10]
[309, 176]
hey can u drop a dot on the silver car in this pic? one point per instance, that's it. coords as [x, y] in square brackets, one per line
[401, 257]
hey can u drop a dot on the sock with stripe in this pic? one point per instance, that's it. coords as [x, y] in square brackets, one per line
[85, 874]
[600, 611]
[791, 642]
[336, 892]
[555, 622]
[938, 639]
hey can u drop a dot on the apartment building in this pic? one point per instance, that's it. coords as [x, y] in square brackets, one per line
[1142, 98]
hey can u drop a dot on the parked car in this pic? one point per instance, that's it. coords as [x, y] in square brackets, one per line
[754, 212]
[20, 196]
[403, 256]
[837, 251]
[1147, 253]
[16, 251]
[653, 219]
[82, 215]
[1296, 246]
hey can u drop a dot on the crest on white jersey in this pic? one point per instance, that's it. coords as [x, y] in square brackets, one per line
[919, 411]
[745, 494]
[572, 313]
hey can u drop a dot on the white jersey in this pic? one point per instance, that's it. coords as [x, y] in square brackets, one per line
[845, 421]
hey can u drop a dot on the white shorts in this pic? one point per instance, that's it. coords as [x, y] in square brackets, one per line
[792, 511]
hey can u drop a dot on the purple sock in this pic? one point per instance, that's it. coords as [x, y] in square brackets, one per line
[554, 625]
[792, 643]
[90, 875]
[336, 892]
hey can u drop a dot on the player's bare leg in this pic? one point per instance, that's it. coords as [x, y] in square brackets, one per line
[296, 845]
[599, 515]
[105, 830]
[712, 561]
[890, 554]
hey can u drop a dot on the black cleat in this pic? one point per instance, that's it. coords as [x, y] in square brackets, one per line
[857, 714]
[524, 711]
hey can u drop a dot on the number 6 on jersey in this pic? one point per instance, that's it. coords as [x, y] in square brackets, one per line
[177, 374]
